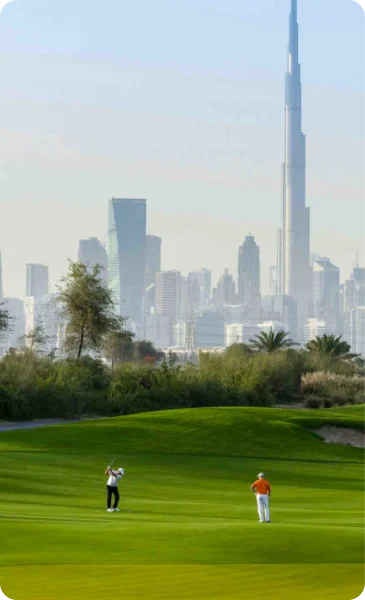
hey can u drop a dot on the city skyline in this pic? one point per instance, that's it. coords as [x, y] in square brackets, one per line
[229, 165]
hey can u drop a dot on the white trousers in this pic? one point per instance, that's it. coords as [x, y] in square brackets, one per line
[263, 507]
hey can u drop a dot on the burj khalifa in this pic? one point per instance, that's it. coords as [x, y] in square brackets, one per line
[294, 237]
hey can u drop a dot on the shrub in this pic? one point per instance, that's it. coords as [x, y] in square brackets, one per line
[32, 386]
[337, 387]
[313, 403]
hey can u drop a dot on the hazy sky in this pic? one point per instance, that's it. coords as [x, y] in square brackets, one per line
[180, 103]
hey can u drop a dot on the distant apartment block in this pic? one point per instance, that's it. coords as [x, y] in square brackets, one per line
[249, 272]
[37, 282]
[92, 252]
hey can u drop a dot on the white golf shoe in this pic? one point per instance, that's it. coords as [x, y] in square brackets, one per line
[116, 509]
[110, 510]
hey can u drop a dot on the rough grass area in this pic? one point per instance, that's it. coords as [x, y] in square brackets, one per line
[188, 526]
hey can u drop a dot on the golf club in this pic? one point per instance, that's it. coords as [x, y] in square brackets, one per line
[115, 457]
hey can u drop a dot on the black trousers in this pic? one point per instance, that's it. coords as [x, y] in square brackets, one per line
[110, 491]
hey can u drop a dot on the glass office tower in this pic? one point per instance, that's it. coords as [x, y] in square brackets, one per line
[126, 253]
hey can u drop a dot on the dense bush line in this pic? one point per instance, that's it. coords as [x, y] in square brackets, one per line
[36, 387]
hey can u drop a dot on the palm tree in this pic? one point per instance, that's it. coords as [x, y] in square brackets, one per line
[330, 346]
[272, 341]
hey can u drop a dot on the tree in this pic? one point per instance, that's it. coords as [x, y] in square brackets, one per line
[144, 348]
[272, 341]
[35, 338]
[238, 351]
[330, 346]
[5, 318]
[118, 344]
[87, 305]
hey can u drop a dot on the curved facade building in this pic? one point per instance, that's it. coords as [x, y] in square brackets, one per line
[126, 255]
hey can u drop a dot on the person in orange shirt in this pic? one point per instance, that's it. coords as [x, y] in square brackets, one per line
[262, 489]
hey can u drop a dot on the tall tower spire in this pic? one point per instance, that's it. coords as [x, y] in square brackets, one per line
[294, 249]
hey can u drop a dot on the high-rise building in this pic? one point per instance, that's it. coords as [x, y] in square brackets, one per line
[326, 293]
[314, 328]
[294, 238]
[36, 280]
[239, 333]
[249, 272]
[153, 258]
[168, 299]
[357, 330]
[152, 266]
[158, 330]
[10, 338]
[273, 280]
[201, 280]
[209, 330]
[1, 279]
[168, 294]
[126, 255]
[226, 290]
[91, 253]
[43, 312]
[353, 297]
[284, 309]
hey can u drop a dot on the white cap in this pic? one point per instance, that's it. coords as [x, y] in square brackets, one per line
[260, 475]
[121, 470]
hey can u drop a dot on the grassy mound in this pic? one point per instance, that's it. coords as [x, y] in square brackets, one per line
[188, 524]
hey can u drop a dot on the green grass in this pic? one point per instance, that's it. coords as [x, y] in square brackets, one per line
[192, 532]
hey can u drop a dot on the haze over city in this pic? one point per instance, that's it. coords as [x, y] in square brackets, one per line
[184, 108]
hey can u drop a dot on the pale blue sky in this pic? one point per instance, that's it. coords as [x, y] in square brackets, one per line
[181, 103]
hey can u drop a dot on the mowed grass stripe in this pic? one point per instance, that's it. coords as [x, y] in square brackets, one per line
[189, 511]
[166, 582]
[240, 432]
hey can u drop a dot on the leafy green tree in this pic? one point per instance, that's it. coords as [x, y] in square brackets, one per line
[330, 346]
[5, 319]
[87, 305]
[237, 351]
[118, 345]
[272, 341]
[35, 338]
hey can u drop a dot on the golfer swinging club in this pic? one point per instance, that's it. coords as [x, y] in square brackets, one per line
[262, 489]
[112, 488]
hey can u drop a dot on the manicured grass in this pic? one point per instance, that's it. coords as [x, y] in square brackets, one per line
[192, 530]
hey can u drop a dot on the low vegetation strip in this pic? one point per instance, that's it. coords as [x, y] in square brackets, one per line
[34, 387]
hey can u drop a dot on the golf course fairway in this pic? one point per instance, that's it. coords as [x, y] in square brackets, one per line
[188, 527]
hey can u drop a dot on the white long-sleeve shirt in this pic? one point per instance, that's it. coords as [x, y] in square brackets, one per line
[115, 477]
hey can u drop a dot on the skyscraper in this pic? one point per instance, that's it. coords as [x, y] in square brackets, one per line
[153, 258]
[202, 280]
[326, 293]
[10, 338]
[226, 290]
[168, 300]
[294, 237]
[91, 253]
[36, 280]
[168, 294]
[126, 255]
[249, 272]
